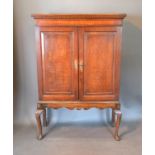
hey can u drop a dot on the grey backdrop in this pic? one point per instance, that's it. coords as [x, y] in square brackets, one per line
[25, 75]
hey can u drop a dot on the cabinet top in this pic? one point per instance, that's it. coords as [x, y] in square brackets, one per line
[79, 16]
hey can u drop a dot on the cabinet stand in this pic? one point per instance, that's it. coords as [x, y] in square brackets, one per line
[116, 117]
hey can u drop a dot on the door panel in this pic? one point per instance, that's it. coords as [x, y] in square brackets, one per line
[58, 55]
[97, 66]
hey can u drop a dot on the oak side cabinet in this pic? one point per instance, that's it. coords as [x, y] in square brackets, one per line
[78, 59]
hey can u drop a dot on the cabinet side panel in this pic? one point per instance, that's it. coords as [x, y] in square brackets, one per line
[39, 61]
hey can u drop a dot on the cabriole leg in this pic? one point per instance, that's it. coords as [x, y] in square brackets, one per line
[118, 116]
[39, 126]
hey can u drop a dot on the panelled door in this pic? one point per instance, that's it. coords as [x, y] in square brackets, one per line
[57, 63]
[99, 60]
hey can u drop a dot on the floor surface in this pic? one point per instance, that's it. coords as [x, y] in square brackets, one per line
[78, 139]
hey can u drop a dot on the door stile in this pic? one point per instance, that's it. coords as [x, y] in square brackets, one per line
[81, 62]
